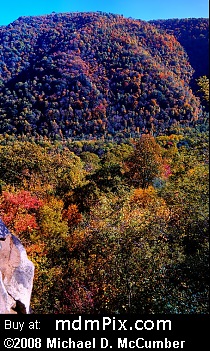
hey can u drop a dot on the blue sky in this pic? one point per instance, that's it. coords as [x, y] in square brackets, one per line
[10, 10]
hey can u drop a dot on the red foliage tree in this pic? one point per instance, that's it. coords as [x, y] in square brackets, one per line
[18, 210]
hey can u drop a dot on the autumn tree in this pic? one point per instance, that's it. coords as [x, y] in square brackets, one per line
[18, 210]
[203, 84]
[145, 163]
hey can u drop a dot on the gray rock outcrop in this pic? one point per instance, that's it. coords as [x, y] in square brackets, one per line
[16, 274]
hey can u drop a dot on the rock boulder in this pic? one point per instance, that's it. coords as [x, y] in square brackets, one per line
[16, 274]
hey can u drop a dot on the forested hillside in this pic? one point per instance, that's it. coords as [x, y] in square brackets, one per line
[104, 156]
[92, 75]
[193, 35]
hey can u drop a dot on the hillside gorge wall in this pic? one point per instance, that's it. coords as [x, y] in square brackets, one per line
[16, 274]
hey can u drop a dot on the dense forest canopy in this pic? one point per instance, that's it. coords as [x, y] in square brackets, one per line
[111, 228]
[93, 75]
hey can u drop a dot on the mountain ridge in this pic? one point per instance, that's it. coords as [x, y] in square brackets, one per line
[88, 75]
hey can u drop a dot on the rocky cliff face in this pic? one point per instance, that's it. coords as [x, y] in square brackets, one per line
[16, 274]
